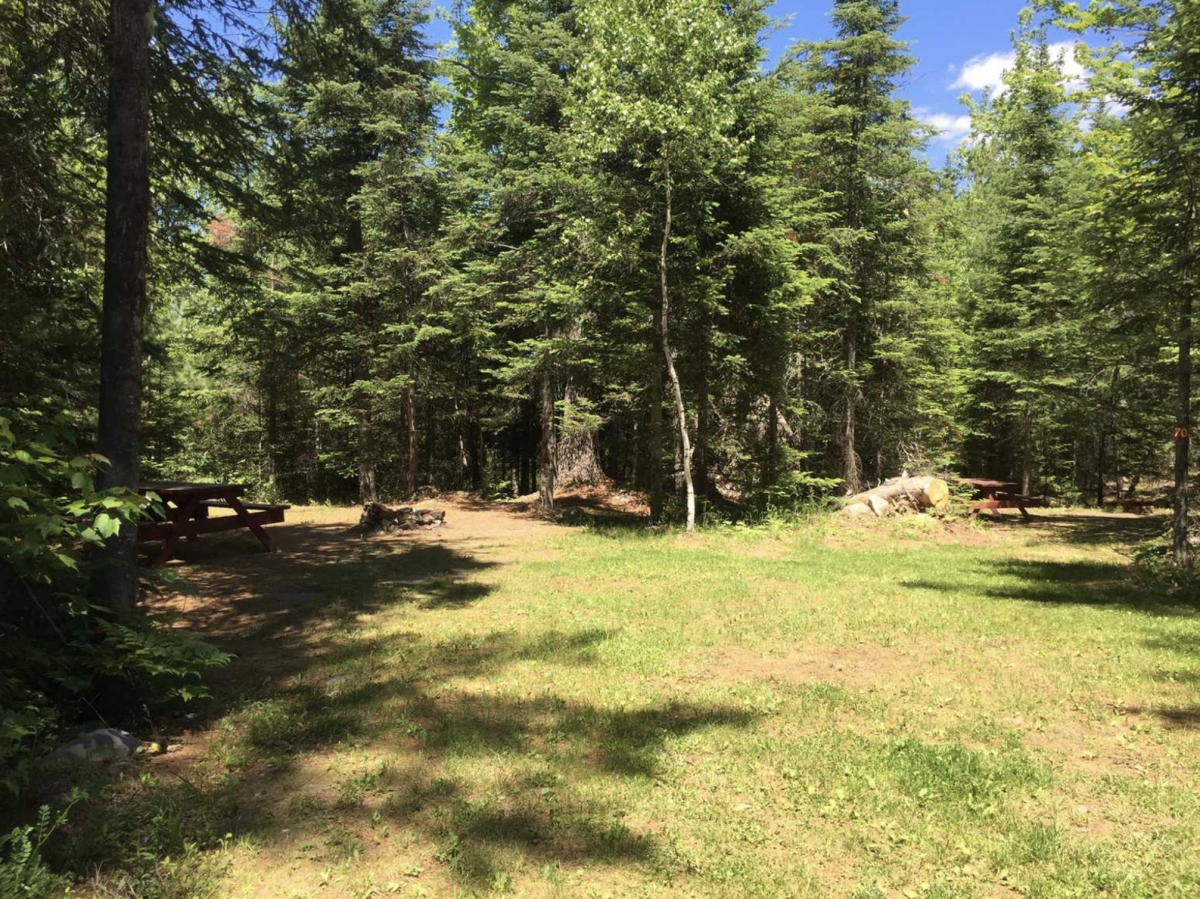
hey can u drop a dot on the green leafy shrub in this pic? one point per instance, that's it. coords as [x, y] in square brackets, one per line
[1154, 562]
[22, 871]
[796, 492]
[61, 645]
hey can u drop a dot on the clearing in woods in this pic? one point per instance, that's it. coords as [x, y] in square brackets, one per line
[507, 706]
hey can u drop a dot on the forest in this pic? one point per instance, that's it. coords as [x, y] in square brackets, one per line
[587, 243]
[593, 234]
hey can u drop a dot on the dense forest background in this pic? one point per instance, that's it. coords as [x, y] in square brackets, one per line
[588, 243]
[374, 268]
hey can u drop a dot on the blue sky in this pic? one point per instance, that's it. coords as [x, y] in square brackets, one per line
[960, 45]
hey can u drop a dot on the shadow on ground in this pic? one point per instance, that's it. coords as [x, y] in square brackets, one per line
[1101, 584]
[475, 773]
[1082, 530]
[449, 740]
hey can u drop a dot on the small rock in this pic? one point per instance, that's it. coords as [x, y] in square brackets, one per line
[101, 746]
[334, 684]
[174, 747]
[1016, 720]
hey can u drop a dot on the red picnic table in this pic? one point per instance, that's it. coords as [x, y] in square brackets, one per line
[997, 495]
[187, 507]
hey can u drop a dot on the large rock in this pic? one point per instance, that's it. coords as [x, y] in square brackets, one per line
[378, 517]
[100, 747]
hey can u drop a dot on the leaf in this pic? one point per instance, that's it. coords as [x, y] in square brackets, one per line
[107, 525]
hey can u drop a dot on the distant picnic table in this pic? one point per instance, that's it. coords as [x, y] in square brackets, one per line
[187, 507]
[996, 495]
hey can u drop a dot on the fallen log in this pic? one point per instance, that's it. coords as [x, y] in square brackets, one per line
[378, 517]
[900, 496]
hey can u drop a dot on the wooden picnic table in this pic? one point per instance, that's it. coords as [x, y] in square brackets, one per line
[187, 507]
[996, 495]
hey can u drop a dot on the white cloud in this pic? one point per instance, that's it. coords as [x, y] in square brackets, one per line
[988, 71]
[952, 129]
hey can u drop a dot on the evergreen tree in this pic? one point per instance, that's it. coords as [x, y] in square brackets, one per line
[1019, 171]
[353, 143]
[656, 113]
[1153, 69]
[856, 157]
[512, 236]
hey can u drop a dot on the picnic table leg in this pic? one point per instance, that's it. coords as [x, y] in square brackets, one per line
[188, 511]
[201, 512]
[1025, 513]
[263, 537]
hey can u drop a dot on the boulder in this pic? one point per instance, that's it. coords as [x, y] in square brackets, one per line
[100, 747]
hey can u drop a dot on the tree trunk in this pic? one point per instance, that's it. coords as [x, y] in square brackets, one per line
[548, 447]
[770, 469]
[851, 467]
[1183, 430]
[412, 458]
[669, 358]
[914, 493]
[273, 426]
[1101, 461]
[126, 236]
[703, 426]
[654, 473]
[475, 448]
[578, 463]
[367, 489]
[1027, 450]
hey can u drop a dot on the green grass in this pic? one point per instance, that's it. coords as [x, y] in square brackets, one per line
[747, 713]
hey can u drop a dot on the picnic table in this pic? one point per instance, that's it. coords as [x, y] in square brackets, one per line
[187, 507]
[1144, 506]
[996, 495]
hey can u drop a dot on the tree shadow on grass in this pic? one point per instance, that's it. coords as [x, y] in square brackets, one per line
[1081, 530]
[276, 611]
[1098, 584]
[477, 774]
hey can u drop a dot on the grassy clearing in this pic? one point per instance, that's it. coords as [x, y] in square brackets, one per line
[800, 712]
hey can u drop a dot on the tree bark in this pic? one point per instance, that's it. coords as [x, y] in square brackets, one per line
[654, 473]
[703, 424]
[851, 466]
[770, 470]
[1183, 556]
[367, 488]
[1027, 451]
[577, 461]
[412, 458]
[919, 493]
[126, 238]
[548, 447]
[669, 357]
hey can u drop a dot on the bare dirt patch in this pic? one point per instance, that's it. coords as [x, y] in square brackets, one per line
[860, 667]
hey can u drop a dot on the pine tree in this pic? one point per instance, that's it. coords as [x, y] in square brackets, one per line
[656, 113]
[857, 160]
[512, 235]
[1153, 69]
[354, 137]
[1019, 172]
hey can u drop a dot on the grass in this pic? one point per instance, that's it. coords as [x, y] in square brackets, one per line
[802, 711]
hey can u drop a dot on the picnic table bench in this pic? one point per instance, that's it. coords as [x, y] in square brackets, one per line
[187, 507]
[1144, 506]
[996, 495]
